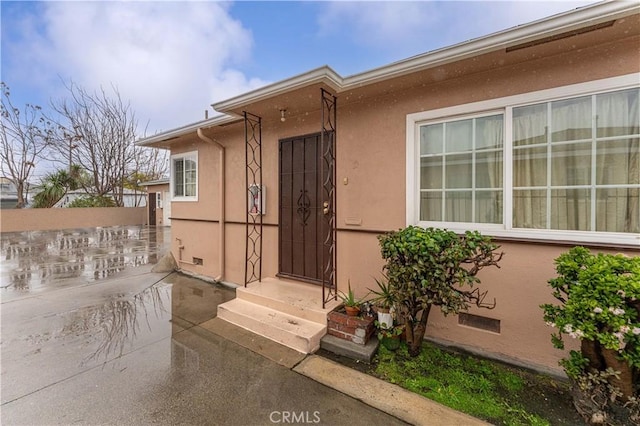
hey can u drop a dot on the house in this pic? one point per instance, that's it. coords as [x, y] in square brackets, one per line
[159, 206]
[530, 135]
[8, 194]
[130, 197]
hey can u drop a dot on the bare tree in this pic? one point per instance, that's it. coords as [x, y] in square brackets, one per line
[148, 164]
[98, 130]
[151, 163]
[24, 137]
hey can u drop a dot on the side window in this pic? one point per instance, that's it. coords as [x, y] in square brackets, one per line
[184, 176]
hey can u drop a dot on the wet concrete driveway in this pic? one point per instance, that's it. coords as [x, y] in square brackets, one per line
[128, 346]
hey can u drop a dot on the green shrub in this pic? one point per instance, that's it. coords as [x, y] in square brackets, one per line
[434, 267]
[92, 201]
[599, 299]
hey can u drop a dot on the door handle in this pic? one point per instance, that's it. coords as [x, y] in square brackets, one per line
[326, 207]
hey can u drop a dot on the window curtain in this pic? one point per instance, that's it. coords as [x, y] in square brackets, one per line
[553, 146]
[451, 154]
[618, 162]
[488, 165]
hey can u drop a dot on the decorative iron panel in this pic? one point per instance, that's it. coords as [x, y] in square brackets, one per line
[328, 147]
[253, 180]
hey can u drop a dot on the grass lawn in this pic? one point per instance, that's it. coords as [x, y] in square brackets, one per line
[489, 390]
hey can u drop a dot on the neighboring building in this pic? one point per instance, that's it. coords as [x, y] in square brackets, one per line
[530, 135]
[130, 198]
[159, 206]
[8, 194]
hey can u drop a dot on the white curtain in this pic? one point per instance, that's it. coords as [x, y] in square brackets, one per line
[618, 162]
[552, 167]
[456, 188]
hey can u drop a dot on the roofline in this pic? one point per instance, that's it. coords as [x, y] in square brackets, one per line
[543, 28]
[324, 74]
[536, 30]
[155, 182]
[193, 127]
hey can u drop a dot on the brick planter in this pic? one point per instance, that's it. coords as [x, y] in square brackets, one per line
[354, 329]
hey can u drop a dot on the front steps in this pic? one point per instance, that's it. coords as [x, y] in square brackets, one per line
[288, 312]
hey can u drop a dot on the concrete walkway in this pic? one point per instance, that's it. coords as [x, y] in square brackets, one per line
[387, 397]
[91, 336]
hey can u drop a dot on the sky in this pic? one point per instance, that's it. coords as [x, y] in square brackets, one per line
[172, 59]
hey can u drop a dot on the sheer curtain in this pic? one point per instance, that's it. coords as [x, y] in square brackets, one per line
[450, 155]
[488, 161]
[530, 166]
[556, 185]
[618, 162]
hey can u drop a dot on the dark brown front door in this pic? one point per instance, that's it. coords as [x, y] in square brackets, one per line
[152, 209]
[302, 224]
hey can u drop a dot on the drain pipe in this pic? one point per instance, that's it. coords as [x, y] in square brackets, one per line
[221, 202]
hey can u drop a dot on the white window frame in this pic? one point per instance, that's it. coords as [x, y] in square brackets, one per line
[506, 105]
[191, 155]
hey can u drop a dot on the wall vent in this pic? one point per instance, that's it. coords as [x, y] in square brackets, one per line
[480, 322]
[197, 261]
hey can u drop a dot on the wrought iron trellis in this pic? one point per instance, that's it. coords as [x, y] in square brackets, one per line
[253, 180]
[328, 146]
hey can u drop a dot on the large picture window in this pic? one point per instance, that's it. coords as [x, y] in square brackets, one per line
[533, 165]
[184, 176]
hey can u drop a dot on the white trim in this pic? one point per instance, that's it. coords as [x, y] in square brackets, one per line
[190, 155]
[507, 104]
[590, 87]
[322, 75]
[169, 135]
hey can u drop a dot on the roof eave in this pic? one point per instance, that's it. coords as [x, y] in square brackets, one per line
[189, 128]
[322, 75]
[546, 27]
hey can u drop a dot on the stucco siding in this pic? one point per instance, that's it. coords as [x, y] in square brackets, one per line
[372, 176]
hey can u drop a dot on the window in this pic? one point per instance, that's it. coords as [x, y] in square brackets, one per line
[184, 172]
[576, 164]
[556, 164]
[461, 170]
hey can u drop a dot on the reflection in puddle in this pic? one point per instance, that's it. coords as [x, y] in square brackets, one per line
[115, 324]
[37, 259]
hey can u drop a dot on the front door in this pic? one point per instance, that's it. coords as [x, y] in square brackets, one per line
[152, 209]
[303, 228]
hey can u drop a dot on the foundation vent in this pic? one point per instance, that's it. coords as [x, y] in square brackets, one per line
[480, 322]
[197, 261]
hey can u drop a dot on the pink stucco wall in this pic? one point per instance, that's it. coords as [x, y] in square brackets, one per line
[371, 175]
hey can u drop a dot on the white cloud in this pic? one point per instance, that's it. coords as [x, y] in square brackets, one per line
[408, 28]
[170, 59]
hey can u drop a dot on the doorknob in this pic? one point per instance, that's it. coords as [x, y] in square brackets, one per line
[326, 207]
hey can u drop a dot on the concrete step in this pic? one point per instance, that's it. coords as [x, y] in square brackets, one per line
[291, 297]
[294, 332]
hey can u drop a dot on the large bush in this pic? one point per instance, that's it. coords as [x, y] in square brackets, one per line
[599, 305]
[434, 267]
[92, 201]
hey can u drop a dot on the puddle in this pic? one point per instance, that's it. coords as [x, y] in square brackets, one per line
[32, 261]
